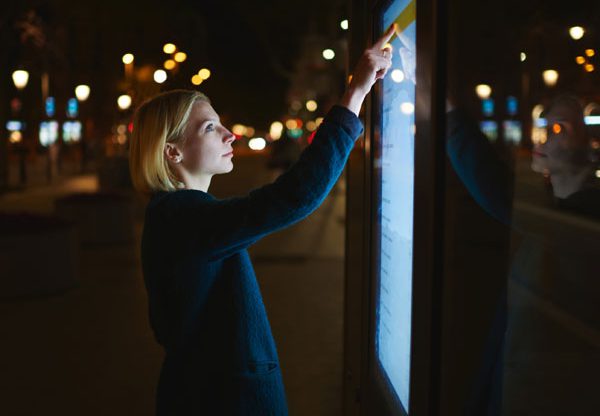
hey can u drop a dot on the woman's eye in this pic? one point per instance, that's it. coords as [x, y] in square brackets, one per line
[210, 127]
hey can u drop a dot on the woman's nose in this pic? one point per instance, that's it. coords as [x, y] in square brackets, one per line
[229, 137]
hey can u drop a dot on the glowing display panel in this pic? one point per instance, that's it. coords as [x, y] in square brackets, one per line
[397, 108]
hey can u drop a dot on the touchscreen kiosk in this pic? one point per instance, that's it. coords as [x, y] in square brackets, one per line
[395, 165]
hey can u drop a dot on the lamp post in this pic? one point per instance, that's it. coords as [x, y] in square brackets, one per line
[20, 79]
[82, 92]
[128, 59]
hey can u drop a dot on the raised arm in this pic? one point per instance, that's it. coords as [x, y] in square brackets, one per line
[222, 227]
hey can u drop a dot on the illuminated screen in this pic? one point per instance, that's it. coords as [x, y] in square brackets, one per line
[397, 108]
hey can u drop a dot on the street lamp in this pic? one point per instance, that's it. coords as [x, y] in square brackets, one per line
[169, 64]
[550, 77]
[82, 92]
[128, 58]
[204, 73]
[328, 54]
[483, 91]
[20, 78]
[128, 61]
[169, 48]
[257, 143]
[276, 130]
[576, 32]
[124, 102]
[197, 79]
[160, 76]
[180, 57]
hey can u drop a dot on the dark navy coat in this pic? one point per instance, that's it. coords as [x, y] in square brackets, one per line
[205, 304]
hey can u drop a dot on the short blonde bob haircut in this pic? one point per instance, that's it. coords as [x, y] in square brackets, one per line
[159, 120]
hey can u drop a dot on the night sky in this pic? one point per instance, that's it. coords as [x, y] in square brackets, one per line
[250, 47]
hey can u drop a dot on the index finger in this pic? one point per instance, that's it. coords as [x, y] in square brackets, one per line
[385, 38]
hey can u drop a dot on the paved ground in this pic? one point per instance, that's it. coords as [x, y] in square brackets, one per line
[90, 351]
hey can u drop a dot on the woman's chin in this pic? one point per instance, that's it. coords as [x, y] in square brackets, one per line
[229, 168]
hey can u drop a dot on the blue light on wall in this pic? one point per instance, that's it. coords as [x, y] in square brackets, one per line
[50, 107]
[487, 106]
[72, 108]
[512, 105]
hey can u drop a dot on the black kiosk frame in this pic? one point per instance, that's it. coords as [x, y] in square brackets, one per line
[367, 389]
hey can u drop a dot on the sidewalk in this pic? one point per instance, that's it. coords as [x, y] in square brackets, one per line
[90, 351]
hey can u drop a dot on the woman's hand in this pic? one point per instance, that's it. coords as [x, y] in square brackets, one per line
[372, 65]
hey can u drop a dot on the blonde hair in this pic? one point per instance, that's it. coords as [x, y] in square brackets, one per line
[159, 120]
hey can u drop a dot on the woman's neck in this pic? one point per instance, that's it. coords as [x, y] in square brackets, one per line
[565, 184]
[199, 183]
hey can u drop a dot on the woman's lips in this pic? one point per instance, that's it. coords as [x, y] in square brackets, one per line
[228, 154]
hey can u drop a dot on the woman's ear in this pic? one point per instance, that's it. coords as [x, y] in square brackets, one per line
[172, 153]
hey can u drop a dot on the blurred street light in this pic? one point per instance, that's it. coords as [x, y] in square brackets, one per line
[483, 91]
[197, 79]
[311, 105]
[160, 76]
[20, 78]
[82, 92]
[328, 54]
[344, 24]
[276, 130]
[180, 57]
[169, 64]
[257, 143]
[397, 75]
[15, 137]
[580, 60]
[576, 32]
[128, 58]
[590, 52]
[550, 77]
[124, 102]
[523, 56]
[169, 48]
[204, 73]
[238, 129]
[589, 68]
[407, 108]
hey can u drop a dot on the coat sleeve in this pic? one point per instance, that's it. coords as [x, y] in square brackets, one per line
[222, 227]
[487, 178]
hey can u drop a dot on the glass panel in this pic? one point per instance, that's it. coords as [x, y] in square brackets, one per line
[523, 207]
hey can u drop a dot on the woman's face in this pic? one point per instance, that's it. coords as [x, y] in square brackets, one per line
[207, 146]
[565, 148]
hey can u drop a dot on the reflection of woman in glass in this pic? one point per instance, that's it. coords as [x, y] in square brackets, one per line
[566, 156]
[205, 304]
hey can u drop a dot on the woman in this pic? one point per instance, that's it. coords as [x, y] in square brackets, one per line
[205, 304]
